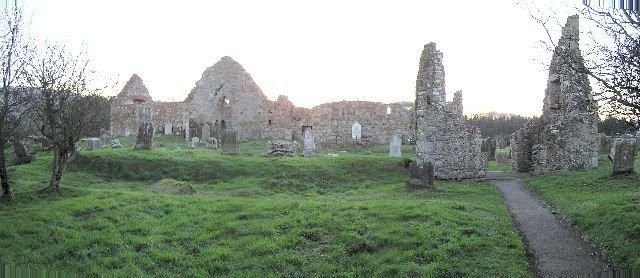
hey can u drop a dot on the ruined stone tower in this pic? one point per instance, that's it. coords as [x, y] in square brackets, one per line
[565, 137]
[443, 137]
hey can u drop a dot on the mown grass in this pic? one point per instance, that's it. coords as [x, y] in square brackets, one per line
[605, 208]
[350, 215]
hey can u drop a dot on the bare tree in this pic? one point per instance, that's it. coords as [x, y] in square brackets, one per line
[65, 108]
[13, 98]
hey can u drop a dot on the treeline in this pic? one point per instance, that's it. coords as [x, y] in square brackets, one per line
[614, 126]
[497, 125]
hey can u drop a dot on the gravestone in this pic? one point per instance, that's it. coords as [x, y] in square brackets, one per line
[395, 146]
[105, 138]
[211, 143]
[502, 143]
[127, 131]
[206, 132]
[230, 142]
[195, 140]
[93, 144]
[309, 143]
[503, 159]
[623, 155]
[115, 143]
[145, 136]
[168, 128]
[604, 144]
[282, 148]
[190, 145]
[420, 176]
[489, 147]
[22, 157]
[356, 132]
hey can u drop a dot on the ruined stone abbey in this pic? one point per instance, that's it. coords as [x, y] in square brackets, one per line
[227, 98]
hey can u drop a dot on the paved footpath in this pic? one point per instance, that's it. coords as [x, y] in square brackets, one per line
[556, 248]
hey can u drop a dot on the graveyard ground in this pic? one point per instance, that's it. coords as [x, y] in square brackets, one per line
[606, 209]
[349, 215]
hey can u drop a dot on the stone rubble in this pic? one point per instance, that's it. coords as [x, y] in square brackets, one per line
[282, 148]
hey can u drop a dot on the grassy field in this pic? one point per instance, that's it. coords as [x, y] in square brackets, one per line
[606, 209]
[349, 215]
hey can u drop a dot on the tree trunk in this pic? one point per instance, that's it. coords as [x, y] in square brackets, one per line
[59, 164]
[4, 177]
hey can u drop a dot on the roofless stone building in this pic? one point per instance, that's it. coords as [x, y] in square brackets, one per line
[566, 136]
[227, 98]
[443, 137]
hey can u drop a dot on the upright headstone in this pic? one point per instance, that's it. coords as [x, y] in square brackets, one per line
[93, 144]
[605, 144]
[503, 159]
[145, 136]
[22, 157]
[502, 143]
[230, 142]
[105, 138]
[127, 132]
[168, 128]
[395, 146]
[206, 132]
[623, 155]
[309, 143]
[420, 176]
[356, 132]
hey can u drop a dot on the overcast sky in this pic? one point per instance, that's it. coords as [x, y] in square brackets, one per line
[312, 51]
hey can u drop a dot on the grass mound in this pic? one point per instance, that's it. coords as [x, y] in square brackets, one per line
[170, 186]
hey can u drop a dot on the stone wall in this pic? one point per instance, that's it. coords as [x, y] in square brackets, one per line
[227, 98]
[443, 138]
[565, 137]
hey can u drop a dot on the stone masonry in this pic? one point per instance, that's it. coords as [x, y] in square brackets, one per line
[565, 137]
[227, 98]
[443, 137]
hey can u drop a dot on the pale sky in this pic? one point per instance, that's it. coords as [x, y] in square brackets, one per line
[312, 51]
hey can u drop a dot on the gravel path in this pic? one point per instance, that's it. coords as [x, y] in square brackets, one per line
[556, 249]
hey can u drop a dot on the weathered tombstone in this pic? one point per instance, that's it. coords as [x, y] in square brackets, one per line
[309, 143]
[489, 146]
[22, 157]
[115, 143]
[356, 132]
[623, 155]
[145, 136]
[230, 142]
[127, 131]
[503, 159]
[604, 144]
[211, 143]
[94, 143]
[168, 128]
[282, 148]
[105, 138]
[206, 132]
[395, 146]
[420, 176]
[195, 140]
[190, 145]
[502, 143]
